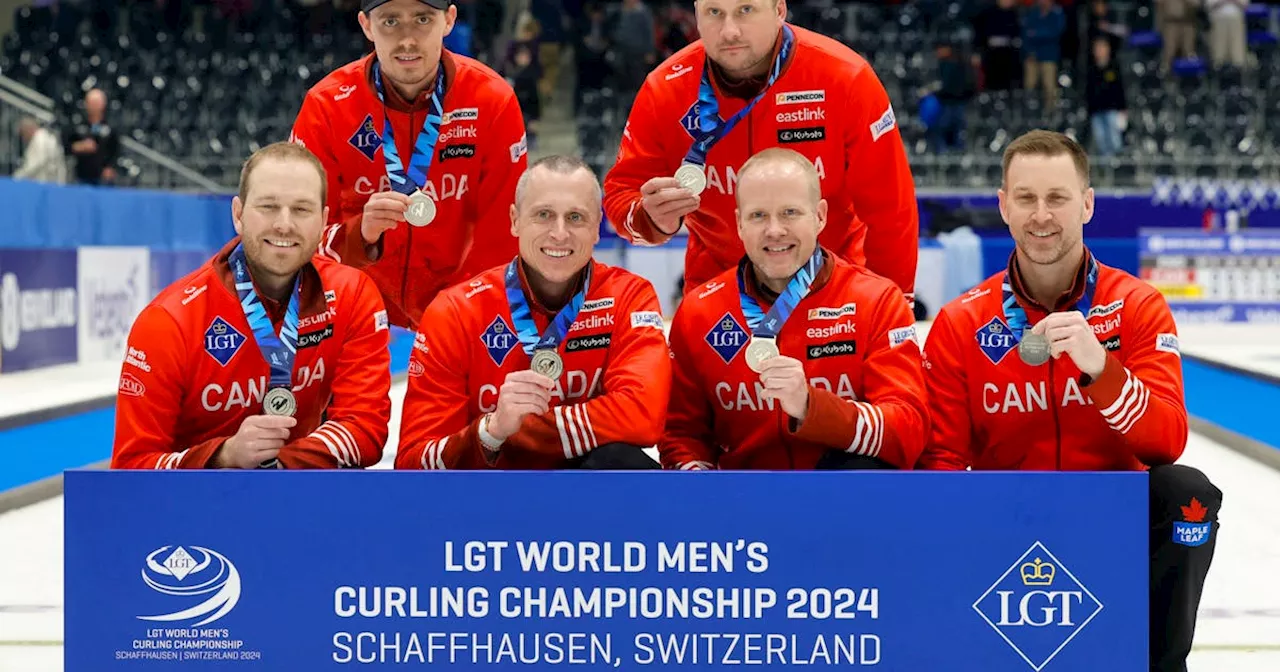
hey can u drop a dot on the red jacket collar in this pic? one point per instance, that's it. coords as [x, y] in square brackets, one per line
[765, 296]
[312, 300]
[1067, 299]
[423, 102]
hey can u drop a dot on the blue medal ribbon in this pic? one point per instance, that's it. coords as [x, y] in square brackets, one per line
[522, 315]
[423, 147]
[1016, 317]
[768, 326]
[278, 351]
[712, 128]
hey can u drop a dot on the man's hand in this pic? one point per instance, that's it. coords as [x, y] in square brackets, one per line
[1069, 333]
[383, 211]
[85, 146]
[259, 439]
[666, 202]
[784, 380]
[522, 393]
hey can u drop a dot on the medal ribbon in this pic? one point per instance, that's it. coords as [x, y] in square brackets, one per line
[768, 326]
[278, 351]
[1016, 317]
[423, 148]
[712, 128]
[522, 315]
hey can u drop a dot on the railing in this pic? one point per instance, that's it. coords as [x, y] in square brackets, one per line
[141, 165]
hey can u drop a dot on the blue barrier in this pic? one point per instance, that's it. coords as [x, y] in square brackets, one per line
[317, 570]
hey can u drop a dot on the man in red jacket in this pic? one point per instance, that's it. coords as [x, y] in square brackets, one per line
[265, 356]
[1063, 363]
[795, 359]
[423, 148]
[753, 81]
[550, 361]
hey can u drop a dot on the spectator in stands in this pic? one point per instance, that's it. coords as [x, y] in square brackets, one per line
[1042, 28]
[592, 53]
[523, 77]
[94, 145]
[635, 45]
[955, 88]
[43, 160]
[1104, 92]
[1177, 24]
[1227, 32]
[1103, 25]
[680, 28]
[997, 40]
[550, 15]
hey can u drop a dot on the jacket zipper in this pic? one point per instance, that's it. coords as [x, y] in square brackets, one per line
[1057, 427]
[408, 243]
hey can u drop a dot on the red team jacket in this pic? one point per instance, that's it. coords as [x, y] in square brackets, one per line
[193, 372]
[617, 375]
[479, 156]
[992, 411]
[856, 337]
[828, 105]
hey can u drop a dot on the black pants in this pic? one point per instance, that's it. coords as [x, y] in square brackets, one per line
[840, 460]
[615, 456]
[1181, 552]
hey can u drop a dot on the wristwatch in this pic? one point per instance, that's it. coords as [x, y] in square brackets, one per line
[489, 441]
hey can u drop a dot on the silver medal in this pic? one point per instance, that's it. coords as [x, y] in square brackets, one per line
[279, 401]
[421, 210]
[547, 363]
[691, 177]
[1034, 349]
[759, 351]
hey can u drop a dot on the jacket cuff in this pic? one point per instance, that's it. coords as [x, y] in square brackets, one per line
[825, 422]
[1106, 388]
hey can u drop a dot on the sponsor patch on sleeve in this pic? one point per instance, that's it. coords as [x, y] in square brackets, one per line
[899, 336]
[884, 124]
[520, 148]
[1168, 343]
[646, 318]
[380, 322]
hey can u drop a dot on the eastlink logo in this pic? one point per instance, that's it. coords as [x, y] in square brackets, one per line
[593, 322]
[802, 115]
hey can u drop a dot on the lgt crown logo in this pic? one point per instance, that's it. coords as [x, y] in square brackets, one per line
[1037, 606]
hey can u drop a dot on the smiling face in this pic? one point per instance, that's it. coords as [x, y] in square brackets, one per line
[780, 214]
[739, 34]
[408, 37]
[556, 217]
[280, 216]
[1046, 204]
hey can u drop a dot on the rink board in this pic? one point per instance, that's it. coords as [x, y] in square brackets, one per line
[601, 571]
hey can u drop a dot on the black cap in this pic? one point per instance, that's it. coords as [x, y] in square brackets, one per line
[370, 5]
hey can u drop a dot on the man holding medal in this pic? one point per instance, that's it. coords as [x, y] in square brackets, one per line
[550, 361]
[751, 82]
[796, 358]
[1095, 383]
[264, 357]
[423, 148]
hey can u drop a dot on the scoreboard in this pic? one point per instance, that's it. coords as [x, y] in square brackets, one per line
[1214, 276]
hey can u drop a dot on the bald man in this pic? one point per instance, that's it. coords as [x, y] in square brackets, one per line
[93, 144]
[795, 359]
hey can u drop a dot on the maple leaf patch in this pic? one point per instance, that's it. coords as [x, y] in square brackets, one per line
[1194, 513]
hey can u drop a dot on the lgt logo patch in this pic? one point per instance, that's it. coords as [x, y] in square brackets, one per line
[1037, 606]
[995, 339]
[727, 338]
[222, 341]
[366, 139]
[690, 121]
[498, 340]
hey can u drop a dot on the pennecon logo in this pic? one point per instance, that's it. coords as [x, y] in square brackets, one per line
[1038, 606]
[188, 575]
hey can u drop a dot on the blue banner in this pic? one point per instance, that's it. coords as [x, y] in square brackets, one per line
[1249, 242]
[987, 572]
[39, 308]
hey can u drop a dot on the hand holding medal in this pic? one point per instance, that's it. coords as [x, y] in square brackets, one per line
[784, 380]
[522, 393]
[1069, 333]
[667, 199]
